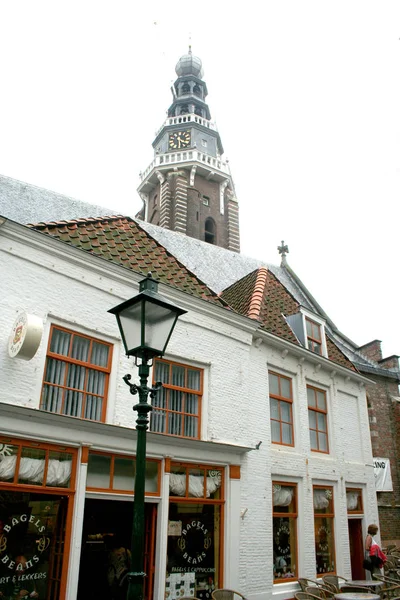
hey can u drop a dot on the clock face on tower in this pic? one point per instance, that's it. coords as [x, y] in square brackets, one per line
[179, 139]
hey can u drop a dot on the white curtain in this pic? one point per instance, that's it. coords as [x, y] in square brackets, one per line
[177, 485]
[31, 470]
[352, 500]
[282, 496]
[320, 499]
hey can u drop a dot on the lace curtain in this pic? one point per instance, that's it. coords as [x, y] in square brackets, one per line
[282, 496]
[352, 500]
[320, 499]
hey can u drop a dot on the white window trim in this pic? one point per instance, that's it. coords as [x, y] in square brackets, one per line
[306, 314]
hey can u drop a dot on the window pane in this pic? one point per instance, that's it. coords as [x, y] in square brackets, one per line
[161, 372]
[100, 354]
[323, 442]
[287, 433]
[157, 421]
[311, 397]
[52, 398]
[160, 399]
[312, 418]
[31, 466]
[98, 471]
[73, 403]
[285, 387]
[193, 379]
[178, 376]
[183, 543]
[190, 427]
[76, 377]
[286, 412]
[95, 382]
[273, 384]
[192, 404]
[59, 469]
[324, 545]
[176, 400]
[175, 424]
[60, 341]
[80, 348]
[321, 422]
[309, 328]
[313, 440]
[124, 474]
[274, 407]
[55, 371]
[275, 431]
[321, 400]
[8, 462]
[93, 408]
[285, 547]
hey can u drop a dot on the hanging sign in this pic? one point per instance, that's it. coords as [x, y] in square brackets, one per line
[25, 336]
[383, 477]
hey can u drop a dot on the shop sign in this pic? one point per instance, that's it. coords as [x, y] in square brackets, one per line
[194, 542]
[383, 477]
[25, 336]
[42, 544]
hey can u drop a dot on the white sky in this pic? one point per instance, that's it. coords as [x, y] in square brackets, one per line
[306, 96]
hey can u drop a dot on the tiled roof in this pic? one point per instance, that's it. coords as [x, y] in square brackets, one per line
[122, 241]
[262, 296]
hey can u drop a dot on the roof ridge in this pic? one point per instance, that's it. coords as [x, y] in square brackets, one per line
[79, 221]
[258, 293]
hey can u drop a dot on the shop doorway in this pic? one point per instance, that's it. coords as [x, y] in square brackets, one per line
[356, 548]
[103, 522]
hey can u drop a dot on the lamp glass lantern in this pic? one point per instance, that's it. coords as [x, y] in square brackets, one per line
[146, 321]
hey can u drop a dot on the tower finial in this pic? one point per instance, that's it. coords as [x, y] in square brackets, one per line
[190, 42]
[283, 249]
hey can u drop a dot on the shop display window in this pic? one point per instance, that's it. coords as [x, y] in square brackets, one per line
[194, 550]
[324, 529]
[284, 500]
[118, 472]
[32, 542]
[195, 531]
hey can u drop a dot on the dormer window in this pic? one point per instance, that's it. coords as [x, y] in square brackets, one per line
[314, 339]
[309, 329]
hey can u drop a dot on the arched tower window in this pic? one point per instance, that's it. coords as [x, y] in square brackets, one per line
[210, 231]
[185, 88]
[198, 111]
[197, 90]
[184, 109]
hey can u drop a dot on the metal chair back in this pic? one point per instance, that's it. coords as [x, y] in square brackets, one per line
[225, 594]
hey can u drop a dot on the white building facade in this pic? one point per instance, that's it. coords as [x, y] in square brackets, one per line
[221, 493]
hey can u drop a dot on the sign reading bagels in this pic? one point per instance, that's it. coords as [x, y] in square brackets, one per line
[25, 336]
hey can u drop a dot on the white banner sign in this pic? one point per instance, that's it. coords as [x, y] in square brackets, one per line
[383, 478]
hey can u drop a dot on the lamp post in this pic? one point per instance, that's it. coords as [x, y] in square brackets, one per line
[146, 323]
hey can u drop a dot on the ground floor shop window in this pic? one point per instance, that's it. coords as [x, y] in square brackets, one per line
[32, 540]
[284, 499]
[324, 529]
[194, 550]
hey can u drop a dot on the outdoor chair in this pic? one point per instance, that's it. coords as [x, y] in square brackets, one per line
[321, 591]
[390, 548]
[334, 580]
[224, 594]
[389, 592]
[304, 582]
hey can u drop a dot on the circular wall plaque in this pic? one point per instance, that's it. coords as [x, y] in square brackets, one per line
[25, 336]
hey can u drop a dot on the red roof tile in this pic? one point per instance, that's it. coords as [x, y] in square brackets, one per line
[122, 241]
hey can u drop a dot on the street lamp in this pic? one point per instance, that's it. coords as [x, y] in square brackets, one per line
[145, 322]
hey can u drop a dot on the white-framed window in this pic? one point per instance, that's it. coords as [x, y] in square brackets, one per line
[281, 408]
[309, 329]
[318, 419]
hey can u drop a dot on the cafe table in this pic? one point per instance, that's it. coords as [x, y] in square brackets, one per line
[356, 596]
[370, 583]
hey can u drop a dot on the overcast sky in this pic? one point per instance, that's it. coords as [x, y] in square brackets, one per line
[306, 96]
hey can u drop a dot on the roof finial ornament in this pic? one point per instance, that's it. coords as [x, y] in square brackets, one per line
[283, 249]
[190, 43]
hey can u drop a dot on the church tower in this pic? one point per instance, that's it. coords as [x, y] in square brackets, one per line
[188, 186]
